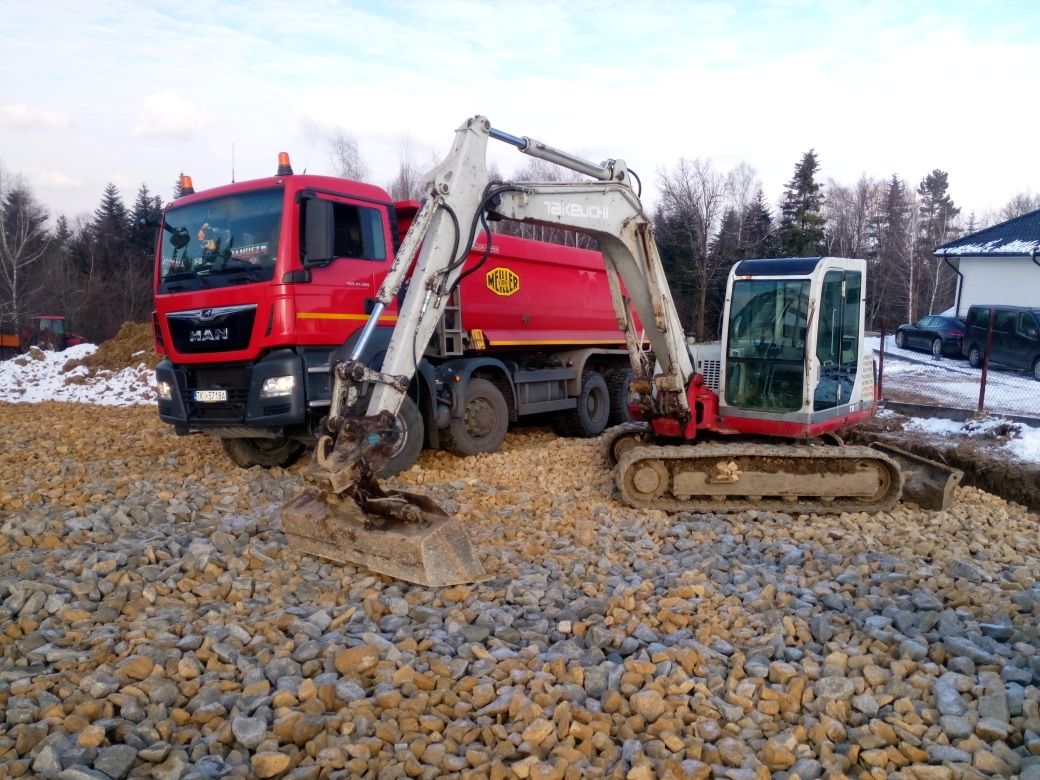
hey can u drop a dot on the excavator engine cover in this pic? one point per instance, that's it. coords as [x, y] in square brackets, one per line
[402, 535]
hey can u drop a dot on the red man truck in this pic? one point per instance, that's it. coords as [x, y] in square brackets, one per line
[250, 322]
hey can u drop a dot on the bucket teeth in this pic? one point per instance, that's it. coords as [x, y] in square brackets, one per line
[411, 538]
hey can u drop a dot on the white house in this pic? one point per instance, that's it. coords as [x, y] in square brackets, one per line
[998, 265]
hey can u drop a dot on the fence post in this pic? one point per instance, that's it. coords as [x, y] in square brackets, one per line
[881, 360]
[985, 362]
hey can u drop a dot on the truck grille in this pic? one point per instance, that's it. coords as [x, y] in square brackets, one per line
[217, 329]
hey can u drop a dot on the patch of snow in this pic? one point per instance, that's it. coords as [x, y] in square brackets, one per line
[38, 376]
[1025, 445]
[1016, 247]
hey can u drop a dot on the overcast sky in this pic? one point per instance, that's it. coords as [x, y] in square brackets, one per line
[133, 92]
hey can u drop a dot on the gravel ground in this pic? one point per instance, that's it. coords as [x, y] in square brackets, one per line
[153, 623]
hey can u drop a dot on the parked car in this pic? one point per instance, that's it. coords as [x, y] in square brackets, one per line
[1016, 337]
[935, 333]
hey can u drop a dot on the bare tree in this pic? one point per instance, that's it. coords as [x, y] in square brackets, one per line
[847, 211]
[1020, 204]
[742, 185]
[408, 183]
[693, 198]
[346, 157]
[23, 241]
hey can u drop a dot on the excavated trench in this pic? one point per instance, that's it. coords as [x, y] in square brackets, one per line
[980, 457]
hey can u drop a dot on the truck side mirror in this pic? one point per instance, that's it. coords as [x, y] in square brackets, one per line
[318, 235]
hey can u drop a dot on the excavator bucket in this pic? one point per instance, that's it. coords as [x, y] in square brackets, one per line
[927, 483]
[402, 535]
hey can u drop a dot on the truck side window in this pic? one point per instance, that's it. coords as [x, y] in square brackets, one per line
[979, 317]
[358, 232]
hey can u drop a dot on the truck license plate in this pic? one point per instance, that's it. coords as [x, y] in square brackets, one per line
[210, 396]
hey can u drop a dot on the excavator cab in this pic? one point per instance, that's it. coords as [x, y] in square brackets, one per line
[792, 343]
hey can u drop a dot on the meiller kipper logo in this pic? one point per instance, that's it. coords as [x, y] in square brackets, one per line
[502, 281]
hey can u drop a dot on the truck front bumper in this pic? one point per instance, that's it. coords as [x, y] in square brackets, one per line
[238, 387]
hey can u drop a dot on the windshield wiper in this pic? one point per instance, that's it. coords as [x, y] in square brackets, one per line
[185, 275]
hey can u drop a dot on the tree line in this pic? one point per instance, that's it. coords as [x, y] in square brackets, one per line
[94, 270]
[97, 269]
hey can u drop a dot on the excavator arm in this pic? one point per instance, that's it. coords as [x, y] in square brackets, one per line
[348, 516]
[458, 195]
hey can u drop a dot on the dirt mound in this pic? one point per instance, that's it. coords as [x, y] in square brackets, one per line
[130, 347]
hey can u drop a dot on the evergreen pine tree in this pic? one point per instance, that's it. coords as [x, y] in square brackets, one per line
[111, 221]
[801, 222]
[144, 220]
[759, 238]
[936, 210]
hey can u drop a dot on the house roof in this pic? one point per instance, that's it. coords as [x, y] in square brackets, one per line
[1018, 236]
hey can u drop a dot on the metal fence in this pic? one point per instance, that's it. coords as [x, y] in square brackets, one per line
[918, 377]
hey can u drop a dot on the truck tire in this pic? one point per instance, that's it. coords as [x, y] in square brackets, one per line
[265, 453]
[975, 357]
[590, 416]
[407, 451]
[1036, 369]
[484, 422]
[618, 382]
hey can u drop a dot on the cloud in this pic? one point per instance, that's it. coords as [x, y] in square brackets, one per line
[53, 180]
[22, 115]
[168, 114]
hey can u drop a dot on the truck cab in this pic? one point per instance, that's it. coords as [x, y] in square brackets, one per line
[247, 318]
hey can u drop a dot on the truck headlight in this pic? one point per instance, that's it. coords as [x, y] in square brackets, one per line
[164, 389]
[275, 386]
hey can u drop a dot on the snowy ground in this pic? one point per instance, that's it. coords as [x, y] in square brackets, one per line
[1022, 441]
[918, 377]
[39, 376]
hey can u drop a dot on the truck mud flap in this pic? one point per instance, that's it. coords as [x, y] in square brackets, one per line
[433, 552]
[927, 483]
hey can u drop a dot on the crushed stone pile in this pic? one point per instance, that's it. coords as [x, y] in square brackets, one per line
[154, 623]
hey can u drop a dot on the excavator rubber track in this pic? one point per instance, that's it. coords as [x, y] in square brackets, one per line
[795, 479]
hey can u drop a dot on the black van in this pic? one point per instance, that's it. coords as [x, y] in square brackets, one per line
[1016, 337]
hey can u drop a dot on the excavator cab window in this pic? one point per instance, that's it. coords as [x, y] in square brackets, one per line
[766, 344]
[838, 338]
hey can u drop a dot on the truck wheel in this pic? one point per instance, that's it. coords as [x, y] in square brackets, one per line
[1036, 369]
[265, 453]
[406, 453]
[974, 357]
[484, 421]
[618, 381]
[593, 410]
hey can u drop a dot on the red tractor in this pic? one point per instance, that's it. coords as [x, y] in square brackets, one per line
[47, 331]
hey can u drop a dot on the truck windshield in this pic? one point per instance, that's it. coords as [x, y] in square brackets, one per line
[225, 241]
[765, 348]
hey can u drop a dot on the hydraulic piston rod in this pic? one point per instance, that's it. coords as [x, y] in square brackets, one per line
[545, 152]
